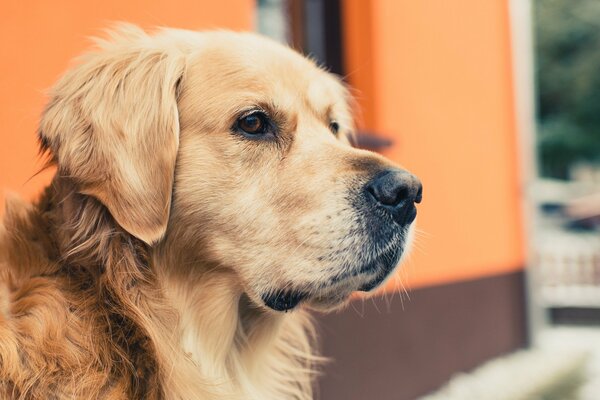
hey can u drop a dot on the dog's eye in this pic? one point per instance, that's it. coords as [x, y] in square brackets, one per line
[334, 127]
[254, 124]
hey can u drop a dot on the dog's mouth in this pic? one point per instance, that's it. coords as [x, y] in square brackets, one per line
[284, 300]
[336, 290]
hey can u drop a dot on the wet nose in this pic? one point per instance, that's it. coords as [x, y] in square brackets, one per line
[396, 191]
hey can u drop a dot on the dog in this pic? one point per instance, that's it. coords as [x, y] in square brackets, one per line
[206, 196]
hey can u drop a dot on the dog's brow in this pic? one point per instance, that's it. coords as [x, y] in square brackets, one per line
[320, 107]
[325, 115]
[258, 104]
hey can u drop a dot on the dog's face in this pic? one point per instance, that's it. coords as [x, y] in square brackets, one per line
[265, 182]
[268, 184]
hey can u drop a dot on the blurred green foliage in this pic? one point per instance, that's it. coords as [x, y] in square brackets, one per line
[567, 35]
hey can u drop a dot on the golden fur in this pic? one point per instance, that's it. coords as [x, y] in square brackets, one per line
[142, 269]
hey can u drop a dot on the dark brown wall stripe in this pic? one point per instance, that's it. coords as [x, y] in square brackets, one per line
[381, 351]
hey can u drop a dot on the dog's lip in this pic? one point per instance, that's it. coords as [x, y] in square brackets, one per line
[371, 274]
[382, 270]
[375, 282]
[283, 300]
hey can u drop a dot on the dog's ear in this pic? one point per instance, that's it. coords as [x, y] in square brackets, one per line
[112, 125]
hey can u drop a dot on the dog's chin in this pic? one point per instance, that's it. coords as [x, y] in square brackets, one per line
[338, 296]
[324, 298]
[336, 291]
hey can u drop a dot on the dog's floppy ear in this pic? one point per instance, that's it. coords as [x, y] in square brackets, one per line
[112, 125]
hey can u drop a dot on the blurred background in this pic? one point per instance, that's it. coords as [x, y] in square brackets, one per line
[494, 104]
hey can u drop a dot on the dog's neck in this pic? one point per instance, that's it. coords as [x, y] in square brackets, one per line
[217, 320]
[267, 353]
[204, 330]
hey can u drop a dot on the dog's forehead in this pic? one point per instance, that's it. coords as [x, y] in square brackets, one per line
[262, 70]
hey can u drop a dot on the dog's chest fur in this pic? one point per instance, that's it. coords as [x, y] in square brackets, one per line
[83, 315]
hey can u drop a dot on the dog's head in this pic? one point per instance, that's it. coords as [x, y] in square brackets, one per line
[238, 147]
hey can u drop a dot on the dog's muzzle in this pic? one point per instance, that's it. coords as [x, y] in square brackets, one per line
[393, 194]
[385, 209]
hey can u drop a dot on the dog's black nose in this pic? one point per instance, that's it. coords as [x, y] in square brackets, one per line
[397, 191]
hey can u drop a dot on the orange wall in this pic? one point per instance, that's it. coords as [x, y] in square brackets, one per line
[39, 38]
[436, 76]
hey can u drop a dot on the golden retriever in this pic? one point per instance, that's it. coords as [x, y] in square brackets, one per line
[205, 187]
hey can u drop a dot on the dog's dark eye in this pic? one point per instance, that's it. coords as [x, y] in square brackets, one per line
[334, 126]
[254, 124]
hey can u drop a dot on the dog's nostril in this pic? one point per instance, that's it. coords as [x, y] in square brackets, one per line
[386, 194]
[395, 188]
[419, 196]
